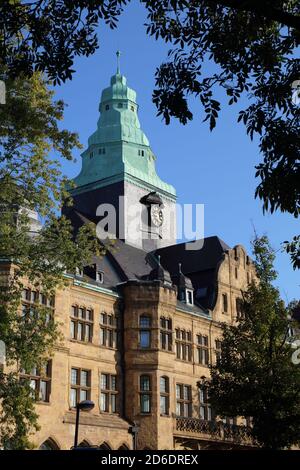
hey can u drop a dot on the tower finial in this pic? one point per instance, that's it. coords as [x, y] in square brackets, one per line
[118, 53]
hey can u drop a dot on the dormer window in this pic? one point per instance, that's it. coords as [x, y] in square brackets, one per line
[120, 105]
[189, 297]
[141, 153]
[101, 151]
[132, 108]
[79, 272]
[100, 277]
[91, 154]
[106, 107]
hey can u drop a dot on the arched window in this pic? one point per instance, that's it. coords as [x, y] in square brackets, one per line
[105, 446]
[49, 444]
[84, 444]
[123, 447]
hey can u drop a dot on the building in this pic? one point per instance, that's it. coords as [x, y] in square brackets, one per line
[141, 324]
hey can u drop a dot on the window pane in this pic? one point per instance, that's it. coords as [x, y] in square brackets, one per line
[113, 403]
[74, 375]
[103, 318]
[145, 339]
[102, 336]
[81, 313]
[164, 405]
[73, 398]
[104, 381]
[145, 322]
[145, 382]
[84, 378]
[202, 412]
[79, 331]
[74, 311]
[186, 392]
[113, 382]
[88, 332]
[186, 409]
[72, 329]
[32, 384]
[163, 384]
[178, 391]
[110, 338]
[104, 402]
[145, 403]
[43, 390]
[83, 395]
[178, 410]
[89, 315]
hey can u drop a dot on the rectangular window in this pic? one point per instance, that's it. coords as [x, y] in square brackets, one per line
[164, 395]
[108, 330]
[145, 393]
[205, 411]
[239, 308]
[108, 393]
[39, 380]
[183, 345]
[225, 303]
[183, 400]
[145, 331]
[166, 334]
[202, 349]
[218, 349]
[80, 386]
[81, 324]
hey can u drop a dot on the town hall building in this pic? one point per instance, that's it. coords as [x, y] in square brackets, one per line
[141, 324]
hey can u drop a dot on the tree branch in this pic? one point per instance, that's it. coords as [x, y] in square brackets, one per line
[265, 9]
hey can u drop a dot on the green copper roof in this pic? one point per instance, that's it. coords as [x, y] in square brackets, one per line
[119, 148]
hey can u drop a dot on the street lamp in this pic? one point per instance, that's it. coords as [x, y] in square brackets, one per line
[85, 405]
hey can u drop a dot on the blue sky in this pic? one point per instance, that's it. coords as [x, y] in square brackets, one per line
[216, 169]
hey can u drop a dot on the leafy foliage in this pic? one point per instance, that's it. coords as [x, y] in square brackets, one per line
[31, 180]
[46, 35]
[255, 375]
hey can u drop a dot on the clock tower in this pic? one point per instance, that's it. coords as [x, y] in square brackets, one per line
[118, 179]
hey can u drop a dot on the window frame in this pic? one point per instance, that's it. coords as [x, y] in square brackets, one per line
[166, 334]
[181, 401]
[109, 330]
[165, 394]
[109, 392]
[202, 349]
[145, 392]
[39, 377]
[145, 330]
[78, 387]
[83, 321]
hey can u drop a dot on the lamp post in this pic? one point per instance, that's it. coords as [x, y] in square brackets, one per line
[134, 431]
[85, 405]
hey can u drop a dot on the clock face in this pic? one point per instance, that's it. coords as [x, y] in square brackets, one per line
[157, 216]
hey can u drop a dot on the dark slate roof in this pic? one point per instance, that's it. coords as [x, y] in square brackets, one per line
[193, 260]
[200, 265]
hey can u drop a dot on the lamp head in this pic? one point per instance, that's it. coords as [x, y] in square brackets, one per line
[86, 405]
